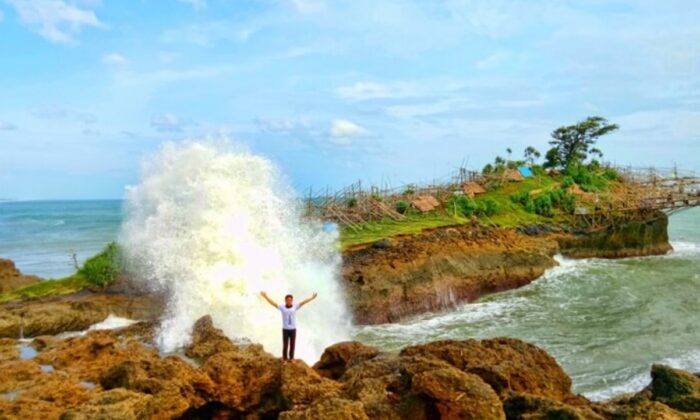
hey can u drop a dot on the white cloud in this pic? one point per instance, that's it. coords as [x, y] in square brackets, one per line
[309, 6]
[491, 61]
[364, 90]
[115, 59]
[196, 4]
[6, 126]
[345, 129]
[168, 123]
[55, 20]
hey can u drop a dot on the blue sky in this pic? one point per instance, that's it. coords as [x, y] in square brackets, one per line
[387, 91]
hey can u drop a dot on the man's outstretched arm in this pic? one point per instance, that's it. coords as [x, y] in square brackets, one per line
[267, 298]
[305, 301]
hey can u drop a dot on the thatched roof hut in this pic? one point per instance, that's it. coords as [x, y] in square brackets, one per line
[425, 203]
[513, 175]
[472, 188]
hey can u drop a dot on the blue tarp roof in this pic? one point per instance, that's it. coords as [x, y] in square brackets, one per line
[525, 171]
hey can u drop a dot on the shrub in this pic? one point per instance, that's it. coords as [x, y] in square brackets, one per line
[568, 204]
[352, 202]
[103, 268]
[463, 205]
[489, 207]
[544, 206]
[611, 174]
[401, 206]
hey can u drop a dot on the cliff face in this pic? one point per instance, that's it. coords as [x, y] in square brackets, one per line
[407, 275]
[402, 276]
[646, 236]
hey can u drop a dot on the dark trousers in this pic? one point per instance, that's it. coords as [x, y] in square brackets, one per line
[289, 337]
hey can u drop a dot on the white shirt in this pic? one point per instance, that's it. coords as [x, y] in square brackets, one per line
[289, 316]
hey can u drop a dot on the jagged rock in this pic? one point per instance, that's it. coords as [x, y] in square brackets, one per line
[524, 406]
[245, 381]
[207, 340]
[175, 385]
[42, 342]
[11, 278]
[639, 407]
[505, 364]
[88, 357]
[676, 388]
[301, 385]
[458, 395]
[18, 375]
[337, 358]
[116, 404]
[328, 408]
[54, 315]
[8, 350]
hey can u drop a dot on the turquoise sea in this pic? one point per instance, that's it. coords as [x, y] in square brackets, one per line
[605, 321]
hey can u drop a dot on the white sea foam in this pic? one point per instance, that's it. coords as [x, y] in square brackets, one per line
[683, 248]
[112, 322]
[213, 225]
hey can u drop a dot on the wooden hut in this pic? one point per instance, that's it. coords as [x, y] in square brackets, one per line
[472, 189]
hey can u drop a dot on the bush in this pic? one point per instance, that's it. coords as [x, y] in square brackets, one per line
[611, 174]
[568, 204]
[352, 202]
[103, 268]
[463, 205]
[489, 207]
[401, 206]
[544, 206]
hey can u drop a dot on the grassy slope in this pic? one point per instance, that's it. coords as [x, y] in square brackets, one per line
[509, 215]
[55, 287]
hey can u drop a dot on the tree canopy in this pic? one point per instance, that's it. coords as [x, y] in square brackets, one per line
[573, 144]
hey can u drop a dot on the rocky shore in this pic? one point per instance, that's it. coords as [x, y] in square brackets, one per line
[118, 374]
[407, 275]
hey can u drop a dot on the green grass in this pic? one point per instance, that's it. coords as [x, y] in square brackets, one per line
[509, 215]
[99, 270]
[44, 288]
[411, 224]
[512, 214]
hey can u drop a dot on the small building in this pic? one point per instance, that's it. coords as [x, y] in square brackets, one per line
[425, 203]
[525, 172]
[512, 175]
[472, 189]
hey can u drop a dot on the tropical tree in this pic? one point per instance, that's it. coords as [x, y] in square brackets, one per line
[574, 143]
[531, 155]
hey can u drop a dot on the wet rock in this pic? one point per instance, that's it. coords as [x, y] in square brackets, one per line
[175, 385]
[458, 395]
[77, 312]
[88, 357]
[505, 364]
[337, 358]
[676, 388]
[301, 385]
[8, 350]
[113, 404]
[44, 341]
[524, 406]
[246, 381]
[207, 340]
[330, 408]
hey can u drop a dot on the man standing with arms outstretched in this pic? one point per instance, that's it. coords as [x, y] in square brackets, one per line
[289, 322]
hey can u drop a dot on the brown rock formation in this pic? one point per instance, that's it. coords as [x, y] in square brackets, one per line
[115, 375]
[11, 278]
[440, 268]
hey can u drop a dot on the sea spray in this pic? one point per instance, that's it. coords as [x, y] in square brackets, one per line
[212, 225]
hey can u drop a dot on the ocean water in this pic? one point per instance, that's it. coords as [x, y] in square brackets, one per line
[41, 236]
[605, 321]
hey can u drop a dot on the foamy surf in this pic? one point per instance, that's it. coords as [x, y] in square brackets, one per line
[213, 225]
